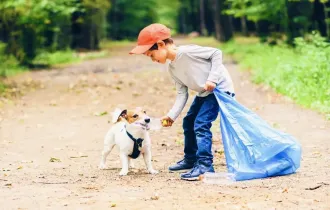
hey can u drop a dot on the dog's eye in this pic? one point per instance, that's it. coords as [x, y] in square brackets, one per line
[135, 116]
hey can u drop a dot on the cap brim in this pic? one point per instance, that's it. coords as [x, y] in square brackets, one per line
[140, 49]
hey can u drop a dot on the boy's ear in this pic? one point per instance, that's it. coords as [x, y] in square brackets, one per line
[160, 44]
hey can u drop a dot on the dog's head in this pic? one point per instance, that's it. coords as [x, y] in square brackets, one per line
[137, 117]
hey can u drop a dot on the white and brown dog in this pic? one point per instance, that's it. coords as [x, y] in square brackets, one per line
[130, 133]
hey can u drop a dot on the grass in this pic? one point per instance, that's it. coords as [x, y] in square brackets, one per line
[9, 65]
[66, 57]
[54, 58]
[302, 73]
[107, 44]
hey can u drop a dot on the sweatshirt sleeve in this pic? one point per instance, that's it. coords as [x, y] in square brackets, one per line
[180, 102]
[215, 56]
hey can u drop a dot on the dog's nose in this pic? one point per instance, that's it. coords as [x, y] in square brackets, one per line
[147, 120]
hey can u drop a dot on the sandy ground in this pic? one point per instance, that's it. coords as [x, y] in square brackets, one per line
[62, 120]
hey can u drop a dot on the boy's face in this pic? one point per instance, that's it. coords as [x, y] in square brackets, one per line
[159, 55]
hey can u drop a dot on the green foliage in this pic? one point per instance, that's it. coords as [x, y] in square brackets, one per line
[256, 10]
[128, 17]
[93, 23]
[58, 57]
[26, 22]
[302, 74]
[8, 64]
[167, 12]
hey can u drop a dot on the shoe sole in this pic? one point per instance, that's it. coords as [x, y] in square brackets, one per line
[191, 179]
[181, 170]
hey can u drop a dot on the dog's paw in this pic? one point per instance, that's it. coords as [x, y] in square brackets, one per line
[102, 166]
[152, 171]
[123, 173]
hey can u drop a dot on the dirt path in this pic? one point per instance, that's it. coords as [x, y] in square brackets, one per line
[59, 121]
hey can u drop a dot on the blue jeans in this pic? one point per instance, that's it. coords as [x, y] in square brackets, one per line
[196, 127]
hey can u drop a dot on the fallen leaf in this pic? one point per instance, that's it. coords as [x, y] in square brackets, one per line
[275, 125]
[52, 159]
[100, 113]
[90, 188]
[285, 190]
[135, 94]
[19, 167]
[27, 161]
[8, 185]
[155, 197]
[79, 156]
[220, 152]
[53, 103]
[113, 205]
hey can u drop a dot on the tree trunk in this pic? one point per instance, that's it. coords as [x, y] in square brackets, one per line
[320, 16]
[183, 22]
[114, 24]
[217, 23]
[202, 17]
[243, 25]
[223, 23]
[227, 25]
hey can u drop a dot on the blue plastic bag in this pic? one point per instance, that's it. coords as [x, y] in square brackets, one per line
[254, 149]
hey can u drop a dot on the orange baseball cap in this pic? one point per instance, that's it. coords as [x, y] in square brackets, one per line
[149, 36]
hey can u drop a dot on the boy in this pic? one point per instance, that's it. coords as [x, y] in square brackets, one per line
[199, 69]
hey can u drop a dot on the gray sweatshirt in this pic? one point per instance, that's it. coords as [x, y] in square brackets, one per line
[191, 68]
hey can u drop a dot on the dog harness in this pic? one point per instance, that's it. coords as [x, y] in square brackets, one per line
[137, 146]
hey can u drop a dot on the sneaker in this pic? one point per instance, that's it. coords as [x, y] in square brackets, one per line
[182, 165]
[198, 170]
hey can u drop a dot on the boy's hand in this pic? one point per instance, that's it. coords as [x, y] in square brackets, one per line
[209, 86]
[167, 121]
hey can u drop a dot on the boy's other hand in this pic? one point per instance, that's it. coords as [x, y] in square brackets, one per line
[209, 86]
[167, 121]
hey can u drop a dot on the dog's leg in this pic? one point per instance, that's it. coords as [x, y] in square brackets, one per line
[131, 163]
[106, 151]
[109, 144]
[147, 160]
[124, 163]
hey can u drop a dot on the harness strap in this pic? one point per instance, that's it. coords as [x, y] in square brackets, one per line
[137, 145]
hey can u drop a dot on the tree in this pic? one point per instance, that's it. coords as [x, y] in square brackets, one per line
[89, 24]
[223, 24]
[130, 18]
[202, 17]
[28, 25]
[237, 8]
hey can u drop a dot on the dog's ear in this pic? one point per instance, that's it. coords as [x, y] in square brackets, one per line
[124, 114]
[118, 114]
